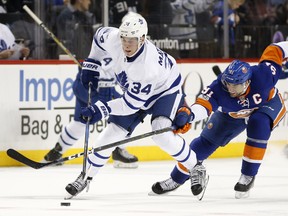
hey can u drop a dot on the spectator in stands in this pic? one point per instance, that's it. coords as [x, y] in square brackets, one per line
[8, 47]
[20, 23]
[53, 9]
[282, 13]
[282, 19]
[159, 15]
[186, 33]
[119, 8]
[233, 20]
[13, 6]
[75, 27]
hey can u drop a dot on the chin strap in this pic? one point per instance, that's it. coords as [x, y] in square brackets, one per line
[246, 87]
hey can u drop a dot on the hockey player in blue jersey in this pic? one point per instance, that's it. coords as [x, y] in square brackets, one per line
[242, 98]
[152, 85]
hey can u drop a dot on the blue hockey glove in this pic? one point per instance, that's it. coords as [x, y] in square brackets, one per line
[90, 73]
[183, 120]
[95, 112]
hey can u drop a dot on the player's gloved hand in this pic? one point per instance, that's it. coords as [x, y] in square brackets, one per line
[90, 73]
[183, 120]
[95, 112]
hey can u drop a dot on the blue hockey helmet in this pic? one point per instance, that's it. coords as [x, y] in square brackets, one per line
[237, 72]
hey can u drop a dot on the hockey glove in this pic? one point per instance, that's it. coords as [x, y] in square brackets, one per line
[95, 112]
[90, 73]
[183, 120]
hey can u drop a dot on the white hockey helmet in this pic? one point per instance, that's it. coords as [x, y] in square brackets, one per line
[133, 25]
[130, 14]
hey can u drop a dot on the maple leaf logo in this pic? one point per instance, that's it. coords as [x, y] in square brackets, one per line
[122, 80]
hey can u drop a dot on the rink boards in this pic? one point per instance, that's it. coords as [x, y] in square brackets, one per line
[37, 101]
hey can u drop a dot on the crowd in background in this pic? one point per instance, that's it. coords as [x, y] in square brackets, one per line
[184, 29]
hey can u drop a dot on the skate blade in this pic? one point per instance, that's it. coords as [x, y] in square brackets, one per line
[118, 164]
[151, 193]
[241, 195]
[68, 196]
[201, 195]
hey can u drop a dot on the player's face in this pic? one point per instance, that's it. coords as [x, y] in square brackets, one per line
[235, 4]
[129, 45]
[235, 90]
[84, 5]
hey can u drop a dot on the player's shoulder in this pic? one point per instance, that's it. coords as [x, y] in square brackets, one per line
[264, 74]
[4, 28]
[155, 54]
[106, 37]
[260, 71]
[104, 33]
[265, 68]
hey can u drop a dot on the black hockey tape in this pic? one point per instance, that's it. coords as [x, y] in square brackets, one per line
[65, 203]
[216, 70]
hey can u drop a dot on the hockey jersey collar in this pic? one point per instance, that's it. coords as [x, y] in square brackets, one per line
[131, 59]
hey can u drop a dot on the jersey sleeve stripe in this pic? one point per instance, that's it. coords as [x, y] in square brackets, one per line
[281, 114]
[273, 53]
[204, 103]
[95, 39]
[284, 46]
[134, 97]
[154, 97]
[271, 94]
[96, 42]
[130, 105]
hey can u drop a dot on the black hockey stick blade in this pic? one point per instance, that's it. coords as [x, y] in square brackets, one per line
[38, 165]
[216, 70]
[23, 159]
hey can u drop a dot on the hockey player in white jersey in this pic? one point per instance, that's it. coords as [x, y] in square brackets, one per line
[152, 84]
[75, 129]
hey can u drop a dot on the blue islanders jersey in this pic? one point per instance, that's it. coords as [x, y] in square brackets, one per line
[261, 89]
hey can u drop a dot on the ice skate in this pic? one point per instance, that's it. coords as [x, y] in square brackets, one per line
[77, 186]
[243, 186]
[199, 180]
[54, 154]
[165, 186]
[123, 159]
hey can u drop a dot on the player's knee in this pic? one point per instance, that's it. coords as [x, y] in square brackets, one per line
[202, 147]
[259, 118]
[75, 129]
[259, 126]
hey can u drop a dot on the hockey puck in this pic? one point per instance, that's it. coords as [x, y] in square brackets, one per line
[65, 203]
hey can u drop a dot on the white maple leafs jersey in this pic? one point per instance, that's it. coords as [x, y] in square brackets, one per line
[147, 76]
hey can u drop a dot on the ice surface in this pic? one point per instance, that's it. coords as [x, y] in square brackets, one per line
[26, 191]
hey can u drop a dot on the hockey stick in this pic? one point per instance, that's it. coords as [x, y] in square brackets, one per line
[102, 84]
[216, 70]
[86, 134]
[36, 165]
[59, 43]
